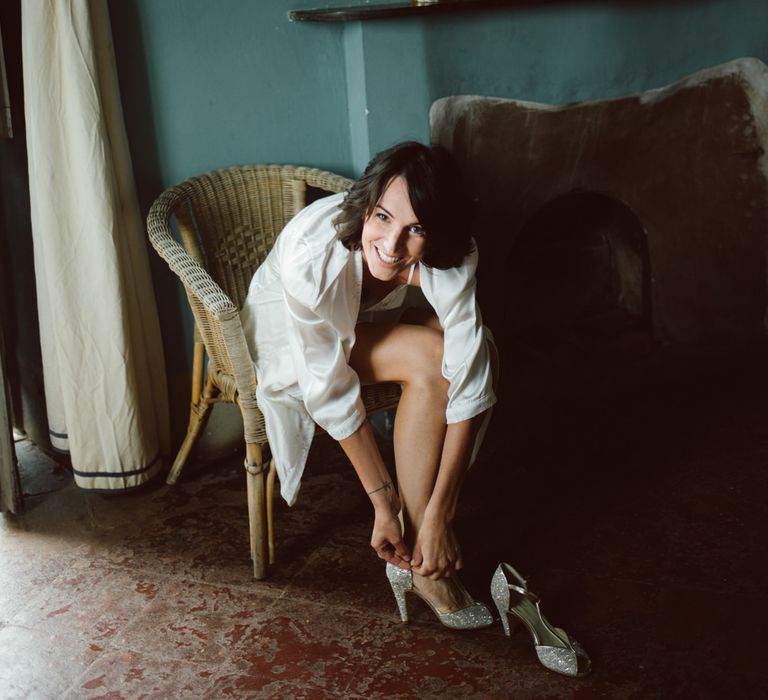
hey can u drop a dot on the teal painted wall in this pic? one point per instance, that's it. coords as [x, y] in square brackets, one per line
[213, 84]
[388, 71]
[585, 51]
[229, 82]
[210, 84]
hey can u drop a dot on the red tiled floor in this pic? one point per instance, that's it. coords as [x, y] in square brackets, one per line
[631, 494]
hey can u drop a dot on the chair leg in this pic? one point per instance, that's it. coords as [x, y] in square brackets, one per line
[270, 511]
[200, 405]
[198, 417]
[254, 469]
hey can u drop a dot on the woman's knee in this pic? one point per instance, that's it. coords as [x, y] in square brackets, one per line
[426, 362]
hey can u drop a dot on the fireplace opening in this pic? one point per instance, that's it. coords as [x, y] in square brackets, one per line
[580, 278]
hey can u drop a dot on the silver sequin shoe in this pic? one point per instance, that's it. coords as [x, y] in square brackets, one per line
[556, 649]
[473, 616]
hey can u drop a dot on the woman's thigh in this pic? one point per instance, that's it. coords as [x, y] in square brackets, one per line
[396, 352]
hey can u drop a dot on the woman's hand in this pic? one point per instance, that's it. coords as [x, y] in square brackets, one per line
[436, 553]
[387, 537]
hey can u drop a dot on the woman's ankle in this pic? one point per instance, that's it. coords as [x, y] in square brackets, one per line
[444, 594]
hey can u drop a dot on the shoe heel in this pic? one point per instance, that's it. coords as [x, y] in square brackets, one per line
[504, 616]
[500, 595]
[400, 581]
[401, 606]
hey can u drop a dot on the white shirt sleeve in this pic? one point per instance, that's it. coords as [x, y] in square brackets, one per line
[330, 388]
[466, 356]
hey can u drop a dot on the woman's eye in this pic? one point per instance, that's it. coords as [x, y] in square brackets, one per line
[416, 230]
[382, 217]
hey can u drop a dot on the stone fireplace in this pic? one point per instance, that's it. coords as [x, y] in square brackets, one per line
[647, 212]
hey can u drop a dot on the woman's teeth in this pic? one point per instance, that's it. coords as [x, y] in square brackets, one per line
[389, 259]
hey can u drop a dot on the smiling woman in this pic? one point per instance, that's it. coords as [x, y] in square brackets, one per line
[435, 194]
[393, 239]
[405, 222]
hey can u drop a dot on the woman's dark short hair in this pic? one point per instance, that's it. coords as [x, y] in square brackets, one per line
[437, 197]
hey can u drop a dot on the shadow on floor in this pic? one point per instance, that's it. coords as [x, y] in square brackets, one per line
[628, 487]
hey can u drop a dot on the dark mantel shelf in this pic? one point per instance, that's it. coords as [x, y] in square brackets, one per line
[402, 9]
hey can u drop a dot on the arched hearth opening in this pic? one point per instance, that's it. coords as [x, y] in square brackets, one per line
[580, 277]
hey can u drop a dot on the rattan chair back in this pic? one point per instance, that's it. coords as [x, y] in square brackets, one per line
[228, 221]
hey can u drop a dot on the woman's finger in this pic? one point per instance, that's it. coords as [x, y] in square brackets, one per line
[401, 550]
[417, 559]
[387, 554]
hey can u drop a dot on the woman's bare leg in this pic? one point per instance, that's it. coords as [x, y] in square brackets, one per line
[412, 356]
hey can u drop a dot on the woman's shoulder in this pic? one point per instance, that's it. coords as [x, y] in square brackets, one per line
[311, 255]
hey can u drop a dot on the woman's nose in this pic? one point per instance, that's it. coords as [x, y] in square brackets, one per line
[393, 240]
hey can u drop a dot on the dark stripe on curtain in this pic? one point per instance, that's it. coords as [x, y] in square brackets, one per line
[119, 474]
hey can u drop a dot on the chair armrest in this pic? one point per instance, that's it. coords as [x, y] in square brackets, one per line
[192, 274]
[216, 315]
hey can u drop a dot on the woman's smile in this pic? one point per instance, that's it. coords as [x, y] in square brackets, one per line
[387, 259]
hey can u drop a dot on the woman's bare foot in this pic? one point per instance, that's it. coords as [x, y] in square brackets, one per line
[444, 594]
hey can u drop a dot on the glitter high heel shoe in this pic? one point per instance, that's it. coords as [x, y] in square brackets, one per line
[556, 649]
[472, 616]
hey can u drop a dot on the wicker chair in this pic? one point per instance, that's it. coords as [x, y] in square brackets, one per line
[228, 221]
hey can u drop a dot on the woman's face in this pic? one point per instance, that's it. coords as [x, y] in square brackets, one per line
[393, 238]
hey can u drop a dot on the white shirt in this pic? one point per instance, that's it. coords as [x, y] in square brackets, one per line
[299, 319]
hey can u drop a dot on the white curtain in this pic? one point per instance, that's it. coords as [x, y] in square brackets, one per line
[102, 353]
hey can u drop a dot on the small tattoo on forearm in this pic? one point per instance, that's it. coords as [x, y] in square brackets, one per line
[386, 486]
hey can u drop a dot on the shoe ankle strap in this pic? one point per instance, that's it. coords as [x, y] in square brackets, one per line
[524, 592]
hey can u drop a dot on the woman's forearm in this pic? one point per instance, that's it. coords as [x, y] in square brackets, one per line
[361, 449]
[387, 536]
